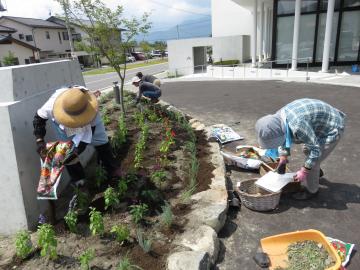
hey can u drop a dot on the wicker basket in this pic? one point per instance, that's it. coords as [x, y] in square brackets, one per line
[256, 198]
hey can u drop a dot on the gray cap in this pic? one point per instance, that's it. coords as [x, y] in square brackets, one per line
[270, 131]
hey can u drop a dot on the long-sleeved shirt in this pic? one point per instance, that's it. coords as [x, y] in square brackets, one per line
[148, 78]
[314, 123]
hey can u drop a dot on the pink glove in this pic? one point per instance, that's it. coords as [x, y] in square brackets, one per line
[301, 175]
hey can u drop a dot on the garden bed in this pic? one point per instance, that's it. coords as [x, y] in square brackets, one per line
[163, 162]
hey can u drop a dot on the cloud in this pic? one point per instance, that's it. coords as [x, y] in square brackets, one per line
[161, 16]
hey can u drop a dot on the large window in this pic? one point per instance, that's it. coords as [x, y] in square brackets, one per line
[306, 37]
[285, 30]
[349, 36]
[286, 7]
[321, 36]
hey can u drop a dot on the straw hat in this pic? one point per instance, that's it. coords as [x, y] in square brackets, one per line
[75, 108]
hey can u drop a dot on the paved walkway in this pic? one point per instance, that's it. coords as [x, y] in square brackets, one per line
[335, 211]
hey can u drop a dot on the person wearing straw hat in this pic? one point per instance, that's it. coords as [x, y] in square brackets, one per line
[146, 89]
[311, 122]
[74, 116]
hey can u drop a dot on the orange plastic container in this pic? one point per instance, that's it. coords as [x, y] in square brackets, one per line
[276, 246]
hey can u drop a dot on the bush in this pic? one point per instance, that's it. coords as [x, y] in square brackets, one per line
[23, 244]
[226, 63]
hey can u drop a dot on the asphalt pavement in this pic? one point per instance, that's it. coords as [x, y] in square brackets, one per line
[335, 211]
[101, 81]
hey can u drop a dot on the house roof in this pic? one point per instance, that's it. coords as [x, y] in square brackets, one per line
[37, 23]
[7, 39]
[4, 29]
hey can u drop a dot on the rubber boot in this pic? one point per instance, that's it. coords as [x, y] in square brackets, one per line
[107, 160]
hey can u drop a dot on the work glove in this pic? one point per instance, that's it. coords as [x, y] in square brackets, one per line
[281, 168]
[301, 175]
[41, 148]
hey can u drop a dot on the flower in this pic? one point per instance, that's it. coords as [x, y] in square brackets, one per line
[42, 219]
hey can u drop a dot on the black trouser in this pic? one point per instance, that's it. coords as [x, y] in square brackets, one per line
[106, 158]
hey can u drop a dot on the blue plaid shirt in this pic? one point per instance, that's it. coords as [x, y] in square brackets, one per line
[314, 123]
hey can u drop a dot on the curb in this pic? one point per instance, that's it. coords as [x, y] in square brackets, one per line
[197, 248]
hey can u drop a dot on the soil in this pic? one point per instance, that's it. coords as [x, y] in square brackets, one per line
[108, 251]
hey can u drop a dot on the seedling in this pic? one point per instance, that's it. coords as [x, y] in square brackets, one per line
[152, 116]
[111, 198]
[121, 232]
[71, 220]
[85, 258]
[140, 146]
[106, 119]
[144, 243]
[138, 212]
[158, 177]
[82, 199]
[139, 119]
[122, 188]
[96, 222]
[101, 175]
[167, 215]
[23, 244]
[120, 134]
[185, 197]
[47, 241]
[125, 264]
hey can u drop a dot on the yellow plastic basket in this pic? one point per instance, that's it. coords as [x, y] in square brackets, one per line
[276, 246]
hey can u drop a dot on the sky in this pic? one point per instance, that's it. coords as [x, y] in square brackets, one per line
[164, 13]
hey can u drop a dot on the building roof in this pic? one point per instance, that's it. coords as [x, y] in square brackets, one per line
[4, 29]
[7, 39]
[36, 23]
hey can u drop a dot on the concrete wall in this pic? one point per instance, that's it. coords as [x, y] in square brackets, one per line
[181, 58]
[24, 90]
[20, 52]
[230, 19]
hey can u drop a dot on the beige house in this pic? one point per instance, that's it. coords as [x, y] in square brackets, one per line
[52, 39]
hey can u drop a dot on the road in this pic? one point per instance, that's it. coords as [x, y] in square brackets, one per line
[101, 81]
[335, 211]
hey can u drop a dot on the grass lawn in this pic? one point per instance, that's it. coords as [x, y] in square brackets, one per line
[129, 66]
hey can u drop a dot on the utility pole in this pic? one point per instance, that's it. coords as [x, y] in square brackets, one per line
[177, 29]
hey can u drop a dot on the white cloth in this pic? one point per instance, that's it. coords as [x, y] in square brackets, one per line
[82, 134]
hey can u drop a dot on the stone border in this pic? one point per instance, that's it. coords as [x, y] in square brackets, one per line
[198, 247]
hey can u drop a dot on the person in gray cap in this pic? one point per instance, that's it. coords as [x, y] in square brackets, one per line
[311, 122]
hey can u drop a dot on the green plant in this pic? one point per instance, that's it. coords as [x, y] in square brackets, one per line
[186, 195]
[71, 220]
[106, 119]
[150, 194]
[125, 264]
[10, 59]
[158, 177]
[144, 243]
[96, 222]
[122, 188]
[111, 198]
[138, 212]
[167, 142]
[139, 118]
[47, 241]
[82, 199]
[152, 116]
[101, 175]
[122, 130]
[23, 244]
[167, 215]
[85, 258]
[140, 146]
[121, 232]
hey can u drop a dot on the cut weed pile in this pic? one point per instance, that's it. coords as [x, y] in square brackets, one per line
[308, 255]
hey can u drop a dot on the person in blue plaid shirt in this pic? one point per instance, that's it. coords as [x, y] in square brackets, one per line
[311, 122]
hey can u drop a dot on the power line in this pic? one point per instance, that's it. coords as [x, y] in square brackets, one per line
[179, 9]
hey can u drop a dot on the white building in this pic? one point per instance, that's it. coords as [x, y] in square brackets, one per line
[52, 39]
[291, 32]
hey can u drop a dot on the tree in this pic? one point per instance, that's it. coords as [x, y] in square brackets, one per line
[146, 47]
[161, 46]
[110, 34]
[10, 59]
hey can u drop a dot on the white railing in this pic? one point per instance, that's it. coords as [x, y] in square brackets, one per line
[247, 70]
